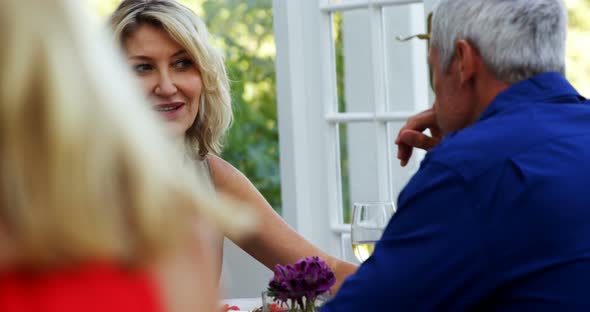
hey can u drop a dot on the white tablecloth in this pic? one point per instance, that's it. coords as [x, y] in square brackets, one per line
[245, 304]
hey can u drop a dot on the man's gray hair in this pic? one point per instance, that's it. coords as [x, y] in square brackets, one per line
[517, 39]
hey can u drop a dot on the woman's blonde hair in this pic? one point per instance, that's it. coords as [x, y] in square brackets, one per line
[85, 169]
[183, 25]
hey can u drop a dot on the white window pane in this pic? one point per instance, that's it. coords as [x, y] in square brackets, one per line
[407, 68]
[346, 1]
[352, 43]
[359, 165]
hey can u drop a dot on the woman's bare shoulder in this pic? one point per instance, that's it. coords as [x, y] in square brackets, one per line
[226, 177]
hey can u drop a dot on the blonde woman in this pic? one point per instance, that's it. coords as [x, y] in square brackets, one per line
[97, 212]
[167, 47]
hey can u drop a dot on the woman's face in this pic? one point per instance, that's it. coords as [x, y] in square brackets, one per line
[167, 74]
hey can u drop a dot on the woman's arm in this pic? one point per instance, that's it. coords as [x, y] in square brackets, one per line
[272, 243]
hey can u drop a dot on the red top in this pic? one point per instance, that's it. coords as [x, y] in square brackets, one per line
[89, 288]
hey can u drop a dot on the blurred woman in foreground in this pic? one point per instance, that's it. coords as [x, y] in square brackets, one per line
[96, 210]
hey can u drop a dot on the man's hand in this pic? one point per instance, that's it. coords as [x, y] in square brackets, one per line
[410, 135]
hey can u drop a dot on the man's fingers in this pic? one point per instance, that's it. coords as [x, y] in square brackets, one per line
[410, 135]
[421, 121]
[408, 139]
[417, 139]
[404, 152]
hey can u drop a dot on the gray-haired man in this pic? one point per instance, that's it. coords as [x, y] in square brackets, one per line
[497, 217]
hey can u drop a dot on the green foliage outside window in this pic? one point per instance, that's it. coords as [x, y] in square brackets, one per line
[244, 30]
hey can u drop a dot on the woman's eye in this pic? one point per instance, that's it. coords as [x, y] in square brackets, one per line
[142, 68]
[183, 64]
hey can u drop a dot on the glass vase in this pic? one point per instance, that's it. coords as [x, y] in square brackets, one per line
[269, 304]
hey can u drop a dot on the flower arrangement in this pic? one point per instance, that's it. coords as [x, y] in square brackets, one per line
[298, 286]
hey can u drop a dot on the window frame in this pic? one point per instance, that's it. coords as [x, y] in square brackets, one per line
[308, 115]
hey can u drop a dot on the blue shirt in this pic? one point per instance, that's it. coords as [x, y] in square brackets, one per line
[497, 218]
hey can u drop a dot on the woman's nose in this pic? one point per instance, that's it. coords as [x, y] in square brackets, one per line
[165, 86]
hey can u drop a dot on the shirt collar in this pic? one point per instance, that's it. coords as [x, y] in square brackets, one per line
[551, 87]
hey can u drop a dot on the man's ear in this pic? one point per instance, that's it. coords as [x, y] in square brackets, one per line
[466, 56]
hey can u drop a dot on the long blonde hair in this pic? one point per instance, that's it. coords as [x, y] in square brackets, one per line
[183, 25]
[86, 171]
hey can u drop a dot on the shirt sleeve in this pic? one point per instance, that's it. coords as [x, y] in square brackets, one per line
[430, 256]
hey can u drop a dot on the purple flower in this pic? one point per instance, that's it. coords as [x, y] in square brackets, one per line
[308, 278]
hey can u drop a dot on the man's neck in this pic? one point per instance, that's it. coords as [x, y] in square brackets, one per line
[487, 89]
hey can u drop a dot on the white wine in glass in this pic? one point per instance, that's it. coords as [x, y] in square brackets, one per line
[368, 223]
[363, 250]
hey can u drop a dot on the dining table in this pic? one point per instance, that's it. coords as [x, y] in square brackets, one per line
[245, 304]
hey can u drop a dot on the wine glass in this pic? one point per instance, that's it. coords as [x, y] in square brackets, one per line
[368, 223]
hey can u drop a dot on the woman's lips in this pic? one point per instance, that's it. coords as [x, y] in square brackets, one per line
[169, 110]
